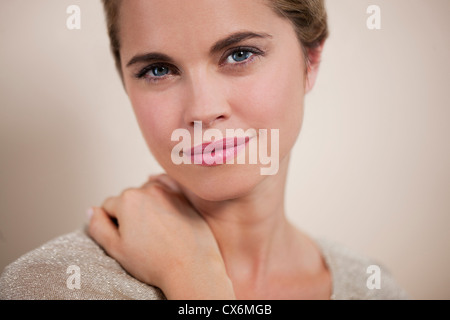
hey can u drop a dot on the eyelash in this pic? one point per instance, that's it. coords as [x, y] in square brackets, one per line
[142, 74]
[255, 53]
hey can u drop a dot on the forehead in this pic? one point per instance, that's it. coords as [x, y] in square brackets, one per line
[192, 23]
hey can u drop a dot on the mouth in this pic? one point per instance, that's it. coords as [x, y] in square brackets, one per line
[216, 152]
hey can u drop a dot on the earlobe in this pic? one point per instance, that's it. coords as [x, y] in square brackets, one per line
[310, 78]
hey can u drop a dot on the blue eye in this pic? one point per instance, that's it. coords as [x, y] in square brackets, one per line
[159, 71]
[239, 56]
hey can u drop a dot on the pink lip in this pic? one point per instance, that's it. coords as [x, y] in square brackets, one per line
[217, 152]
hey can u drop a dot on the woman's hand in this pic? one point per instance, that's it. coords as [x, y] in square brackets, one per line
[159, 238]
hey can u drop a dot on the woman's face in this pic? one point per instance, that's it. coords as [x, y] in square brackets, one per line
[231, 64]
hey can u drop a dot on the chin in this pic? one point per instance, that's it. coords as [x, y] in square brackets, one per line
[221, 183]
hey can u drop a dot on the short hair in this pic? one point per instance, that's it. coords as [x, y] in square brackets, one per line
[308, 17]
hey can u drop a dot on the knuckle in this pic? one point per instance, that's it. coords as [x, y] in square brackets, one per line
[109, 200]
[155, 190]
[131, 194]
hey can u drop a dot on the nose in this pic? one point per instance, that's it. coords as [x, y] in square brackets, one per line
[205, 100]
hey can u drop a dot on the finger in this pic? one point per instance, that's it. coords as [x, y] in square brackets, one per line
[111, 206]
[154, 180]
[103, 230]
[166, 180]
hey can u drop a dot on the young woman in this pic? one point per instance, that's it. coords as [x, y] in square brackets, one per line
[214, 228]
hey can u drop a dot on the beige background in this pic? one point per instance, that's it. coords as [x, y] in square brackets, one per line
[371, 168]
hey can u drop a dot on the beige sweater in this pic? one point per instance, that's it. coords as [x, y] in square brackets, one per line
[73, 266]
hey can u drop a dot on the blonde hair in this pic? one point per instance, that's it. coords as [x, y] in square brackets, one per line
[308, 17]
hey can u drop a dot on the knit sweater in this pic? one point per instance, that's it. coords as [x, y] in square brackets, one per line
[73, 266]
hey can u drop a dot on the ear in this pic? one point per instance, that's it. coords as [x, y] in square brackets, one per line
[314, 56]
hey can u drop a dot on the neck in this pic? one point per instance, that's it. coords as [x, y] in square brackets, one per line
[251, 231]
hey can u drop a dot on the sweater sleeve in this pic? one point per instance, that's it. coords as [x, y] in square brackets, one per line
[71, 267]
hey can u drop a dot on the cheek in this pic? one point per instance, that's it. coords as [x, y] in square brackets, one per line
[273, 99]
[155, 116]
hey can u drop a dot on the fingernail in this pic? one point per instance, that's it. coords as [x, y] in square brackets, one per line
[89, 213]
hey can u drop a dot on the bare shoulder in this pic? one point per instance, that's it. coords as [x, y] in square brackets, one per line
[355, 276]
[71, 266]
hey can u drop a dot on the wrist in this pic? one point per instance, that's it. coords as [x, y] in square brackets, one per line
[204, 282]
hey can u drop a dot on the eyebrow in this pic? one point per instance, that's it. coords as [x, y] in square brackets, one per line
[147, 57]
[235, 38]
[230, 40]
